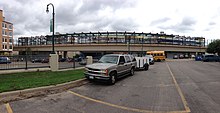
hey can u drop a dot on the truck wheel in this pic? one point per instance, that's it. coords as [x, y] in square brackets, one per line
[132, 71]
[112, 78]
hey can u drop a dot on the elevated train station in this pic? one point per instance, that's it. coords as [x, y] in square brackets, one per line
[99, 43]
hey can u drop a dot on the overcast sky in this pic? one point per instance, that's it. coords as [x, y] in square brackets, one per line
[179, 17]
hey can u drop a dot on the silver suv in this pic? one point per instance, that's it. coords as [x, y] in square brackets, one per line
[111, 67]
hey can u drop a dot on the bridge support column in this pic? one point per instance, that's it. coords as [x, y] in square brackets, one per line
[54, 64]
[89, 60]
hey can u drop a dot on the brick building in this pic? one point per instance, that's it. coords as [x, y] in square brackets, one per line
[6, 35]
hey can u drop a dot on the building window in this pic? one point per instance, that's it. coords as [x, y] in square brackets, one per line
[4, 32]
[4, 46]
[3, 25]
[10, 47]
[10, 33]
[10, 26]
[10, 40]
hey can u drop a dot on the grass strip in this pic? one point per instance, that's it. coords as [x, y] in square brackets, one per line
[18, 81]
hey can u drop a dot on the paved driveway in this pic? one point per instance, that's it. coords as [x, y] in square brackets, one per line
[171, 86]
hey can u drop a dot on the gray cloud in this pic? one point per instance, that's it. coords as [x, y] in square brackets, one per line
[124, 25]
[162, 20]
[212, 23]
[96, 5]
[185, 25]
[70, 16]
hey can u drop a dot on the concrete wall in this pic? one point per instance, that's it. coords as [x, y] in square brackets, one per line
[114, 47]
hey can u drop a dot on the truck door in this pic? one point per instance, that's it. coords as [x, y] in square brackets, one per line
[121, 66]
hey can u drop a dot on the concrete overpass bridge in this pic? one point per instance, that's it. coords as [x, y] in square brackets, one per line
[109, 42]
[110, 48]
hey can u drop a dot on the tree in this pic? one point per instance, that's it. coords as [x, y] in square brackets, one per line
[214, 47]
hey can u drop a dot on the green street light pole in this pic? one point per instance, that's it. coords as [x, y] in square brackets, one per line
[53, 51]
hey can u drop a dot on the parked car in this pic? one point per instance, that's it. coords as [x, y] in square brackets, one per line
[198, 58]
[5, 60]
[186, 56]
[181, 56]
[193, 56]
[175, 56]
[109, 68]
[82, 62]
[36, 60]
[45, 60]
[62, 59]
[151, 59]
[211, 58]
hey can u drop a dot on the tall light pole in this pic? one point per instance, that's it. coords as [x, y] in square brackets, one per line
[53, 51]
[142, 45]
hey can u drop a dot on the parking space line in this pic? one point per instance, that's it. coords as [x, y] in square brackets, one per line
[179, 90]
[123, 107]
[8, 107]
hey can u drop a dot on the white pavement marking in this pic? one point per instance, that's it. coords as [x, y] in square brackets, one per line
[8, 107]
[123, 107]
[179, 90]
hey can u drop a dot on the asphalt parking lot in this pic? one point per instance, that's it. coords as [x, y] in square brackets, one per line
[174, 86]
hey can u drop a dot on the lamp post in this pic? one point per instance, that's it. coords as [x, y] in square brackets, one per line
[53, 51]
[142, 45]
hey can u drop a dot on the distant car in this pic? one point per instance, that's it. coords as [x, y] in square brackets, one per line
[151, 59]
[193, 56]
[211, 58]
[5, 60]
[78, 59]
[186, 56]
[175, 56]
[198, 58]
[62, 59]
[36, 60]
[82, 62]
[45, 60]
[181, 56]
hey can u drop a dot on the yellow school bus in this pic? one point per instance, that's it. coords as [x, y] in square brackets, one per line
[158, 55]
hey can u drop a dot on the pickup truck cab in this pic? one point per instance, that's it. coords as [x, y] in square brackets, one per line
[111, 67]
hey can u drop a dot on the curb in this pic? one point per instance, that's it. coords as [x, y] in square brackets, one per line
[40, 91]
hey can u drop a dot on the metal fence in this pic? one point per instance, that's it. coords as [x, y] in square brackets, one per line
[65, 63]
[38, 61]
[23, 62]
[70, 63]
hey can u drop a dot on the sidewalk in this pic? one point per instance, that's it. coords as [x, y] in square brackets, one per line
[23, 70]
[33, 70]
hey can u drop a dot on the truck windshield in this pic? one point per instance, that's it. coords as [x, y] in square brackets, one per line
[109, 59]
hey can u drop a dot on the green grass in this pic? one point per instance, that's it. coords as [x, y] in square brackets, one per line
[18, 81]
